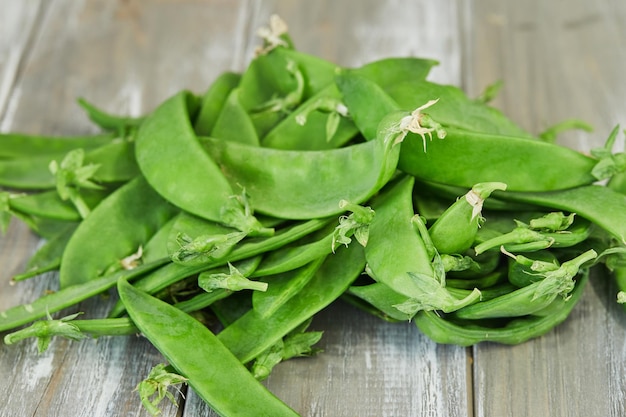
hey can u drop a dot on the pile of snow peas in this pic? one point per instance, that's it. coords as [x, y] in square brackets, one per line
[221, 223]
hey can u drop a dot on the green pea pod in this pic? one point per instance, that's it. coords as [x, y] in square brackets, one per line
[214, 373]
[302, 128]
[67, 297]
[280, 181]
[367, 102]
[468, 332]
[394, 211]
[167, 139]
[389, 71]
[253, 333]
[28, 173]
[115, 229]
[18, 145]
[455, 109]
[465, 158]
[455, 230]
[282, 287]
[116, 162]
[48, 256]
[48, 204]
[108, 121]
[382, 298]
[234, 123]
[317, 72]
[174, 272]
[522, 275]
[213, 101]
[600, 205]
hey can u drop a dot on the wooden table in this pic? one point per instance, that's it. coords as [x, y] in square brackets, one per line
[558, 60]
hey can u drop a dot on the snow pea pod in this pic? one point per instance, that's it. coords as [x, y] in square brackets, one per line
[279, 183]
[108, 121]
[303, 128]
[234, 123]
[283, 286]
[387, 72]
[600, 205]
[48, 204]
[28, 173]
[317, 72]
[167, 138]
[411, 273]
[19, 145]
[466, 158]
[455, 109]
[214, 373]
[213, 101]
[253, 333]
[115, 229]
[469, 332]
[67, 297]
[173, 272]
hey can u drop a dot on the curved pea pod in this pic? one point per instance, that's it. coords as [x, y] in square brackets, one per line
[600, 205]
[167, 139]
[455, 109]
[279, 183]
[302, 129]
[367, 102]
[466, 158]
[318, 73]
[455, 230]
[383, 298]
[390, 71]
[20, 145]
[411, 273]
[522, 275]
[115, 229]
[116, 160]
[213, 101]
[233, 123]
[214, 373]
[253, 333]
[108, 121]
[447, 330]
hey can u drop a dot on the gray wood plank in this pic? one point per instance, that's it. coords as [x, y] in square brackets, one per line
[558, 60]
[17, 27]
[118, 55]
[369, 367]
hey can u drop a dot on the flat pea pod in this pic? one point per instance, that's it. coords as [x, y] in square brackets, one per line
[302, 129]
[214, 373]
[382, 298]
[48, 255]
[213, 101]
[48, 204]
[279, 183]
[387, 72]
[467, 158]
[283, 286]
[114, 230]
[108, 121]
[117, 162]
[600, 205]
[394, 211]
[468, 332]
[317, 72]
[367, 102]
[67, 297]
[166, 138]
[28, 173]
[455, 109]
[174, 272]
[253, 333]
[19, 145]
[234, 123]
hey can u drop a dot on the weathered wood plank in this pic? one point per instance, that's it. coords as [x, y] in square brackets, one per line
[127, 57]
[17, 27]
[558, 61]
[369, 367]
